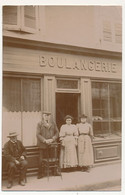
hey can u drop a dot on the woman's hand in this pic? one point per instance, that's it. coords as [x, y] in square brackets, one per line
[62, 143]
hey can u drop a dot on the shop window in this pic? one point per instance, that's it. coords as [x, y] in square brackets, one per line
[21, 94]
[20, 18]
[106, 108]
[21, 108]
[31, 95]
[12, 94]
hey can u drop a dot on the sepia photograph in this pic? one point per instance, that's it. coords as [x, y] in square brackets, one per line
[61, 98]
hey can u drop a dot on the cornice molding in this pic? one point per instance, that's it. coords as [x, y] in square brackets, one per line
[60, 48]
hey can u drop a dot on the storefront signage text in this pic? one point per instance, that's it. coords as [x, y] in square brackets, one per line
[77, 64]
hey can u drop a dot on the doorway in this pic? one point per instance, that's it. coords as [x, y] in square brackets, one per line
[66, 104]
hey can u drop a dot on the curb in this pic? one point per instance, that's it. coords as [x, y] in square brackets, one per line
[94, 187]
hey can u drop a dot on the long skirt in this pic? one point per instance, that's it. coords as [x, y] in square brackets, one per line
[68, 155]
[85, 151]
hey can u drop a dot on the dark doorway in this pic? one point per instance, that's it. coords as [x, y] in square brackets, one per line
[66, 103]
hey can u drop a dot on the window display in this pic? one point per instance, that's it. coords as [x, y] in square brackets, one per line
[106, 108]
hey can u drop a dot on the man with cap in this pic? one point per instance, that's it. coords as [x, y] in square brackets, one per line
[15, 155]
[47, 133]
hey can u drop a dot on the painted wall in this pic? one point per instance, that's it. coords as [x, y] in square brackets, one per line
[76, 25]
[71, 25]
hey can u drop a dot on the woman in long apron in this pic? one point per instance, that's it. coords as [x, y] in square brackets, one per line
[68, 137]
[85, 149]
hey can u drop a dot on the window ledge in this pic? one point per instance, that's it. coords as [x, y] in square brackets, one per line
[107, 138]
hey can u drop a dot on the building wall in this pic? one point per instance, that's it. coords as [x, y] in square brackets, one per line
[37, 71]
[81, 43]
[84, 26]
[25, 60]
[71, 25]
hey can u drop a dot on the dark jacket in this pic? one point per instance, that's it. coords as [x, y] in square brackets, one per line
[9, 152]
[44, 132]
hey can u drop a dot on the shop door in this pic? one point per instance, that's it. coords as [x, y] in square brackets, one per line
[66, 104]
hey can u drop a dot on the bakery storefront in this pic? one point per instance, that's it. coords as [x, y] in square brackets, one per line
[64, 80]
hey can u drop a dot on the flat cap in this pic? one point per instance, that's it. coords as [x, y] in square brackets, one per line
[46, 112]
[83, 116]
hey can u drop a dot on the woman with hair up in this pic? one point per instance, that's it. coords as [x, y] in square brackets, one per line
[85, 150]
[68, 137]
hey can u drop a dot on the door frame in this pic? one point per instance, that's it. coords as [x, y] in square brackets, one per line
[68, 89]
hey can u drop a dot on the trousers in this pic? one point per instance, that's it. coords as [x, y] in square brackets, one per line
[13, 168]
[43, 154]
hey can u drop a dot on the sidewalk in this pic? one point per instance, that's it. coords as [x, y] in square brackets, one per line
[100, 177]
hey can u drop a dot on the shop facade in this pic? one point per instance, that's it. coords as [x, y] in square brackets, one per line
[64, 80]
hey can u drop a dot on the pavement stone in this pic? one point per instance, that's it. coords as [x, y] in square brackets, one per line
[99, 178]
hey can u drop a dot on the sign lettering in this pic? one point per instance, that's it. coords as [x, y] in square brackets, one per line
[77, 64]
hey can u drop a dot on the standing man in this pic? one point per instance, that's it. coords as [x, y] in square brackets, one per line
[15, 155]
[47, 133]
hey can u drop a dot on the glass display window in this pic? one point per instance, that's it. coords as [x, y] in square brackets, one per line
[106, 108]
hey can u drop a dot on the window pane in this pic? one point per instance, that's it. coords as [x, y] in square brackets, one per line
[100, 100]
[106, 108]
[115, 100]
[12, 94]
[31, 95]
[115, 107]
[10, 15]
[67, 84]
[30, 16]
[100, 128]
[116, 128]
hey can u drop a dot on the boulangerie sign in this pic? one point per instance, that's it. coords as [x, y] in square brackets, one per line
[82, 64]
[63, 64]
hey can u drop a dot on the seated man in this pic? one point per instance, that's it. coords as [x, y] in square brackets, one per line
[15, 155]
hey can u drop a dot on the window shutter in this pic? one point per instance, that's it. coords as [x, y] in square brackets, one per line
[21, 18]
[11, 18]
[30, 19]
[10, 15]
[107, 31]
[118, 33]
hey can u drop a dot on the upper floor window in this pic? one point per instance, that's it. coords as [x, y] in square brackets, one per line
[112, 33]
[111, 17]
[20, 18]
